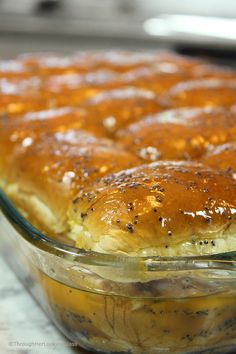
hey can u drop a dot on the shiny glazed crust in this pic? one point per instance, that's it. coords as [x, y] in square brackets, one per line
[165, 208]
[122, 153]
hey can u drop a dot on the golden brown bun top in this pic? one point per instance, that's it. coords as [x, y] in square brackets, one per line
[16, 132]
[222, 157]
[40, 82]
[161, 205]
[158, 78]
[201, 93]
[13, 70]
[114, 109]
[46, 64]
[77, 135]
[121, 61]
[102, 115]
[212, 71]
[179, 134]
[37, 94]
[52, 156]
[54, 166]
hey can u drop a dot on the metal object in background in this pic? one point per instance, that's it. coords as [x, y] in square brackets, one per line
[214, 31]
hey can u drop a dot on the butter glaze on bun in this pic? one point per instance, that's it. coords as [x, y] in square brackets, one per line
[44, 173]
[165, 209]
[211, 92]
[179, 134]
[222, 157]
[79, 136]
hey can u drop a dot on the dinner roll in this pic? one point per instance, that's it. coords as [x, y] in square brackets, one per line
[162, 209]
[201, 93]
[180, 134]
[43, 174]
[222, 157]
[121, 152]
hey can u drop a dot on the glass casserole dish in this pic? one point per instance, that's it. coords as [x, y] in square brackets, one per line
[85, 156]
[165, 305]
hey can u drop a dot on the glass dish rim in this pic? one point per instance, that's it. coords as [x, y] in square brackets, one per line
[225, 260]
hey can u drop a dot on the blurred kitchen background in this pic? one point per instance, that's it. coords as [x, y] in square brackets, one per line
[206, 27]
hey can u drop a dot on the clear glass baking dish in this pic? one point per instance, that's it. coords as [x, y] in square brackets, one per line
[113, 304]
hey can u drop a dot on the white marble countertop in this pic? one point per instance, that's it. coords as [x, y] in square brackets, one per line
[24, 327]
